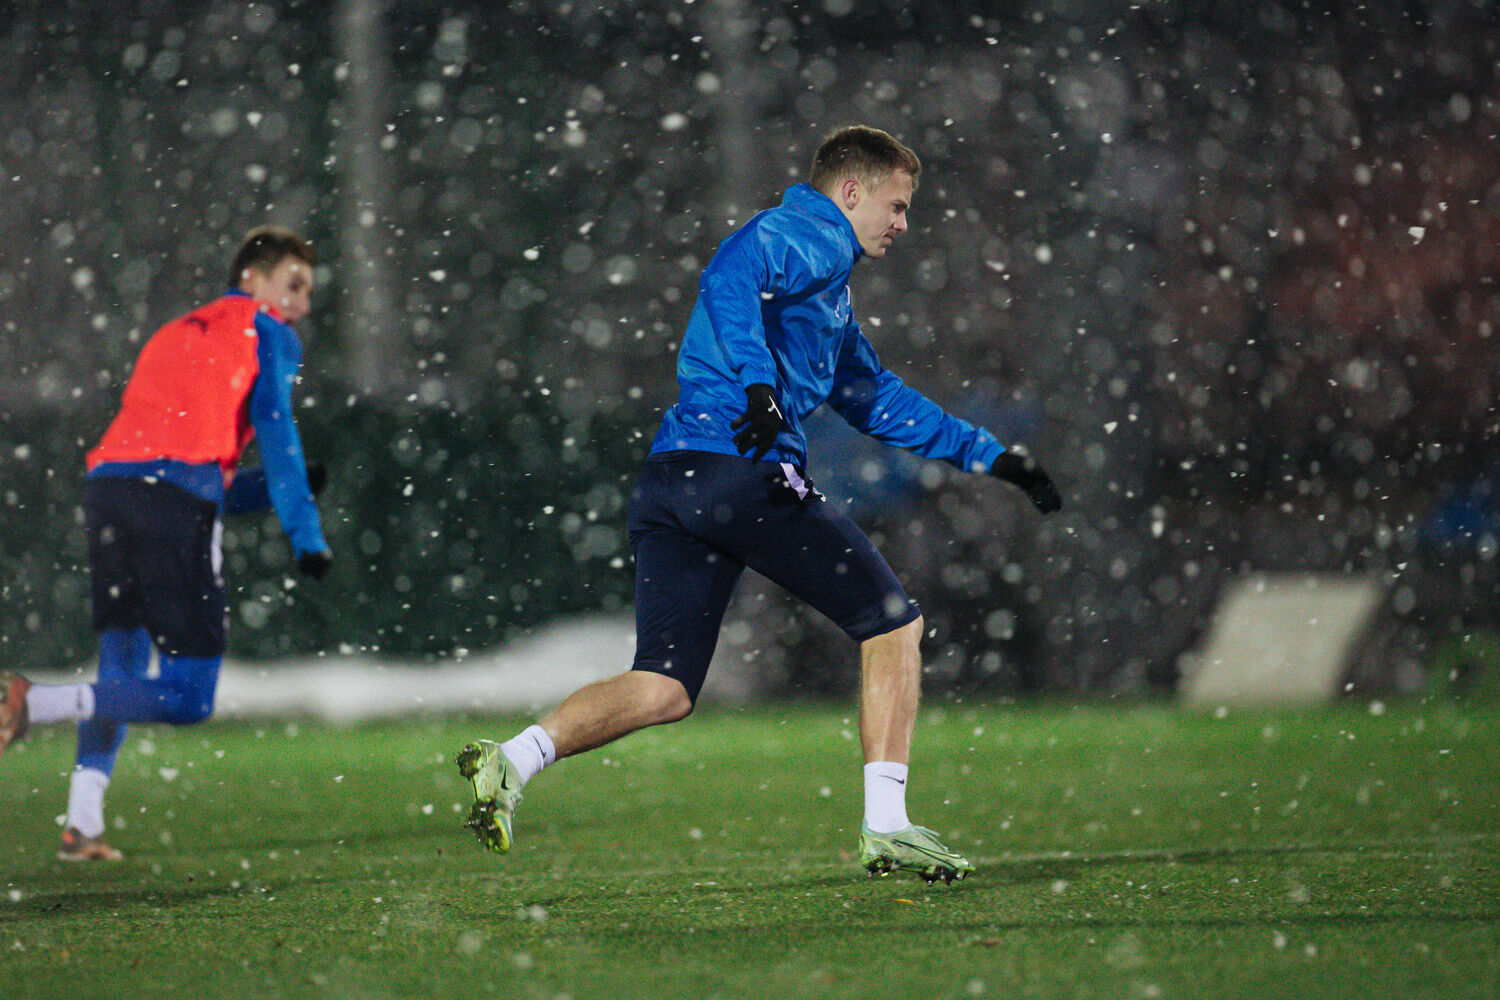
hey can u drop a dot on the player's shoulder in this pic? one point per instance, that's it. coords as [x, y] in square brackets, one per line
[795, 220]
[789, 232]
[215, 318]
[226, 314]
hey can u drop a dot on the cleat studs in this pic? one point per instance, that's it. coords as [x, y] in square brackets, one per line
[468, 761]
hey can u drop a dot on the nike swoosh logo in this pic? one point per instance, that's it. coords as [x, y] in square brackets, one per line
[899, 781]
[920, 849]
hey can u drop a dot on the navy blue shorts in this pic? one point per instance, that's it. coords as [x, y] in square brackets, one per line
[152, 555]
[697, 519]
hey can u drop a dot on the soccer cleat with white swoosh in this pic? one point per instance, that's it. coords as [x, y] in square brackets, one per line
[914, 849]
[497, 791]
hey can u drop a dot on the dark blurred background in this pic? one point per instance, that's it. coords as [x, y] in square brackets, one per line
[1228, 269]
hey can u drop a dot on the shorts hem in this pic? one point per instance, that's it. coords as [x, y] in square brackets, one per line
[885, 626]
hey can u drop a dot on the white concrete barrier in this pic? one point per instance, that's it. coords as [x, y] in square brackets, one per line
[1284, 638]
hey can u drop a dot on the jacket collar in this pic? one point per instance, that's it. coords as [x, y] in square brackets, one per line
[814, 202]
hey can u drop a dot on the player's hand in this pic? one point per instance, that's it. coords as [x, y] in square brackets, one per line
[760, 423]
[1024, 472]
[317, 477]
[315, 564]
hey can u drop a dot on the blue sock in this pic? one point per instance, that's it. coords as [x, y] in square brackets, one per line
[182, 694]
[122, 653]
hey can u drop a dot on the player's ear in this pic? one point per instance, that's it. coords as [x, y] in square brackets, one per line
[849, 191]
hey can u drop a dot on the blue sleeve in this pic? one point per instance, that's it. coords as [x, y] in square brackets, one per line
[757, 263]
[280, 353]
[248, 493]
[876, 402]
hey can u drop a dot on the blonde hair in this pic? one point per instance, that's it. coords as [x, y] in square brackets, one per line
[864, 153]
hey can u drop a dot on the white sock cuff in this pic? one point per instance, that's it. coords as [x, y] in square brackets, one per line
[885, 796]
[544, 744]
[86, 790]
[886, 769]
[530, 751]
[49, 703]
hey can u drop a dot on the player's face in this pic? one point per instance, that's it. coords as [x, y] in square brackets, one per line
[879, 214]
[288, 287]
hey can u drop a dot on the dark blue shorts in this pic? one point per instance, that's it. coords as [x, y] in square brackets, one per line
[696, 521]
[152, 554]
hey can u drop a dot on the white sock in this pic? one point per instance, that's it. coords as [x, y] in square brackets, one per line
[885, 796]
[86, 800]
[59, 703]
[530, 751]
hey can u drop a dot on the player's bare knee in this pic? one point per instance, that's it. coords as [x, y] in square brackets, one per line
[910, 636]
[669, 699]
[675, 705]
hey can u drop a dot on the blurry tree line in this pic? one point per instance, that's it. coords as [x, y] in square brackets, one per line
[1228, 269]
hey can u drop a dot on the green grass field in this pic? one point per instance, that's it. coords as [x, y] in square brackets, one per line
[1131, 851]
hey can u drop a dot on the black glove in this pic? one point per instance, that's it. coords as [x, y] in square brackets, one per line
[762, 421]
[315, 564]
[317, 477]
[1023, 471]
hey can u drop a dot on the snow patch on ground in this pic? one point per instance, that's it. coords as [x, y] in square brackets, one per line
[527, 676]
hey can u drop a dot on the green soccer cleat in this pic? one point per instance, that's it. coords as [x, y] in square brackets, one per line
[496, 793]
[915, 849]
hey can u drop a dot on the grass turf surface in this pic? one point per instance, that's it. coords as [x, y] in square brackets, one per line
[1131, 851]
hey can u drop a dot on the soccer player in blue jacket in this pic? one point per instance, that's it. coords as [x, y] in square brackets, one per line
[165, 470]
[771, 338]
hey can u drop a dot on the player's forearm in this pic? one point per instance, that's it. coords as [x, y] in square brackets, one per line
[896, 414]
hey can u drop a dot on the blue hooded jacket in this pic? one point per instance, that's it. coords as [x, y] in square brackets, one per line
[773, 308]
